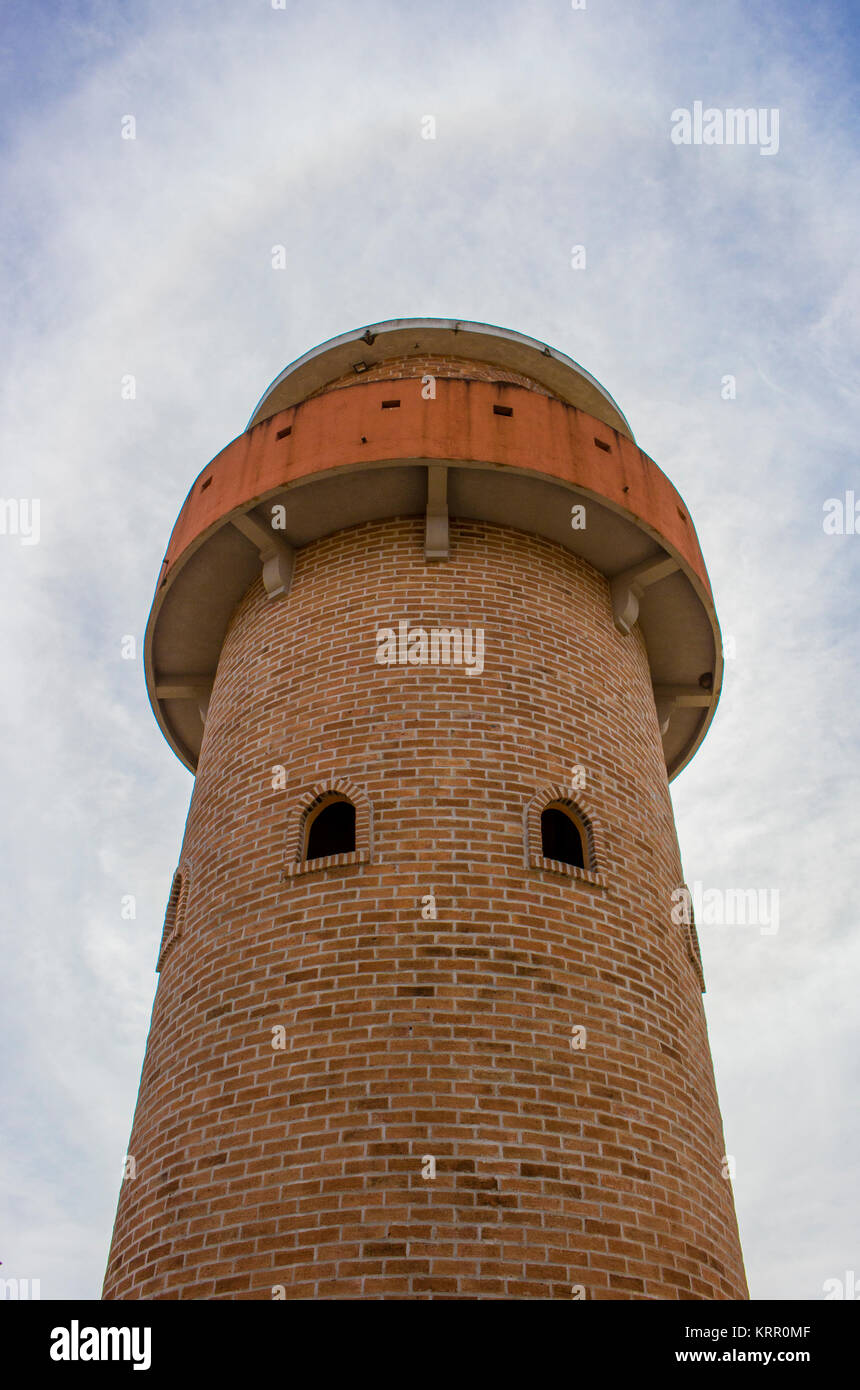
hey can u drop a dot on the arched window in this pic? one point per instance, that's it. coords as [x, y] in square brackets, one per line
[174, 917]
[562, 837]
[691, 936]
[330, 828]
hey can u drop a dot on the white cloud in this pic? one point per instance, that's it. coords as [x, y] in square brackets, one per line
[152, 257]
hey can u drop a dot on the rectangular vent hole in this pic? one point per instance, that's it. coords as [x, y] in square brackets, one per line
[282, 434]
[607, 448]
[390, 405]
[503, 410]
[204, 485]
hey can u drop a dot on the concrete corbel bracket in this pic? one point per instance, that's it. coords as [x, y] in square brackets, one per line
[664, 706]
[436, 539]
[626, 588]
[668, 698]
[196, 688]
[276, 554]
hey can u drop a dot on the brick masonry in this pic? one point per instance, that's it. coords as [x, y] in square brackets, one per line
[299, 1169]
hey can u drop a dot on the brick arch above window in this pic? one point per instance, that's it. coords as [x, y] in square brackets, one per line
[174, 916]
[556, 794]
[307, 805]
[685, 917]
[694, 952]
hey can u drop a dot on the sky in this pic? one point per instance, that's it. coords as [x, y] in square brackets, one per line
[151, 257]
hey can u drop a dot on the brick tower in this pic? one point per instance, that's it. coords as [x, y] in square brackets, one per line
[433, 635]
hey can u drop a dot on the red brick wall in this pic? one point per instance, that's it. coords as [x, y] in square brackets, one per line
[301, 1168]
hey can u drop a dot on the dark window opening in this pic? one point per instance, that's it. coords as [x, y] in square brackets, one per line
[390, 405]
[607, 448]
[332, 831]
[282, 434]
[503, 410]
[561, 838]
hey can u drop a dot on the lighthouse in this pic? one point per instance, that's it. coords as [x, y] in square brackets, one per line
[433, 635]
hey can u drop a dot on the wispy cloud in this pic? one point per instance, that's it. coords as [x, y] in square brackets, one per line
[152, 258]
